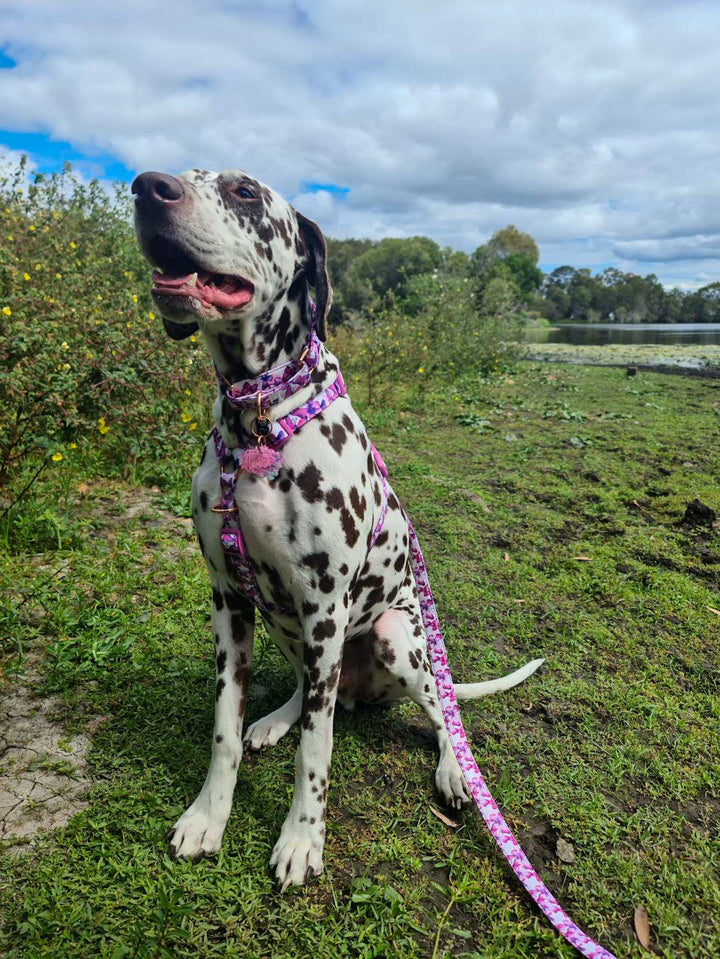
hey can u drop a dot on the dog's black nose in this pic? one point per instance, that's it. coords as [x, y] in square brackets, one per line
[155, 187]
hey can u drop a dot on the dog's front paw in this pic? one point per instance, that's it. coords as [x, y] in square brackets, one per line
[451, 783]
[197, 833]
[298, 855]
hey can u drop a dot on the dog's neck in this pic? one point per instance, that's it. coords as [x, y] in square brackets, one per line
[277, 337]
[244, 349]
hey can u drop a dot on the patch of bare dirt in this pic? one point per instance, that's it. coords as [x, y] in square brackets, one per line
[44, 776]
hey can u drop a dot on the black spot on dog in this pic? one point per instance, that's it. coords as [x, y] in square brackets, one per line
[334, 499]
[317, 561]
[357, 502]
[309, 609]
[217, 599]
[338, 438]
[203, 501]
[220, 663]
[309, 483]
[219, 688]
[324, 630]
[349, 528]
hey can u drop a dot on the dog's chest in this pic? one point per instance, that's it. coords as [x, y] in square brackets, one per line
[317, 514]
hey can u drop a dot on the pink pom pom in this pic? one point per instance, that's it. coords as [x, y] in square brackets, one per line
[262, 461]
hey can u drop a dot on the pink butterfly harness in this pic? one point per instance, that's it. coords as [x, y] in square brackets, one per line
[265, 460]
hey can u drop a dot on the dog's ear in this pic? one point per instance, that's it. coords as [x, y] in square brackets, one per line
[179, 331]
[317, 273]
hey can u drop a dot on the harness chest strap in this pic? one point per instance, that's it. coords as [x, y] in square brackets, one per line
[231, 536]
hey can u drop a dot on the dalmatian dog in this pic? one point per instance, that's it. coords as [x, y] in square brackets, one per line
[236, 261]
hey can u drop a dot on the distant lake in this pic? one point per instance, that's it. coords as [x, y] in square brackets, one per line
[638, 334]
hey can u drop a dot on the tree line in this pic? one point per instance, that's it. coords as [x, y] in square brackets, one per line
[366, 273]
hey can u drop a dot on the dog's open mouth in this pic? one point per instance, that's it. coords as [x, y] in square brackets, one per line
[179, 275]
[214, 289]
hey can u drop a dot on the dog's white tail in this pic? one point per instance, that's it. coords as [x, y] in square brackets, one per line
[476, 690]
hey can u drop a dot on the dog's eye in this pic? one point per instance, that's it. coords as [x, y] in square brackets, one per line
[243, 192]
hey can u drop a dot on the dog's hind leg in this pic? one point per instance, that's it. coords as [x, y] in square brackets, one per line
[199, 830]
[268, 730]
[402, 654]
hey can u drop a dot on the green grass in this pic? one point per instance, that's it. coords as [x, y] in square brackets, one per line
[613, 746]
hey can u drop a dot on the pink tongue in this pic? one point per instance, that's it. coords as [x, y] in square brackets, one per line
[227, 295]
[211, 294]
[161, 280]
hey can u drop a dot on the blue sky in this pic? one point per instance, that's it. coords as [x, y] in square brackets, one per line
[594, 125]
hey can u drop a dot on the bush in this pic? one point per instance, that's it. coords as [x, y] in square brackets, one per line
[436, 330]
[85, 366]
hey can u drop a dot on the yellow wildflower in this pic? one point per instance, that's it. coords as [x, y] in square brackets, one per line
[72, 245]
[26, 276]
[73, 446]
[38, 266]
[57, 457]
[193, 426]
[102, 426]
[64, 346]
[58, 276]
[32, 229]
[7, 311]
[134, 297]
[99, 296]
[188, 393]
[421, 369]
[193, 339]
[186, 417]
[151, 315]
[10, 237]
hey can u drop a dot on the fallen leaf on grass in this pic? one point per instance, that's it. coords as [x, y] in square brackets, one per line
[443, 818]
[506, 557]
[713, 610]
[642, 926]
[518, 601]
[583, 559]
[83, 488]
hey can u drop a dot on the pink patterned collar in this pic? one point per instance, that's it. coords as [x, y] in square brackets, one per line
[275, 385]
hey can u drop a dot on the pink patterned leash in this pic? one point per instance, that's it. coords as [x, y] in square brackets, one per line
[509, 846]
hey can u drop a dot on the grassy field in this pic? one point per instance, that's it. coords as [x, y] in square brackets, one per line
[549, 505]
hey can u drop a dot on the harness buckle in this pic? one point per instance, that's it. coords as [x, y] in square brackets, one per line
[220, 509]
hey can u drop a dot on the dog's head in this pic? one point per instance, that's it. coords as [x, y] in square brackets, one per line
[226, 247]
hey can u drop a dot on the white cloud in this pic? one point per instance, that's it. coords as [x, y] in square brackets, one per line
[592, 125]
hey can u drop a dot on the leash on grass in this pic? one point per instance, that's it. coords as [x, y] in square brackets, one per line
[509, 846]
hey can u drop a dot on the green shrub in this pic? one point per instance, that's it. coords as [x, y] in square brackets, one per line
[85, 366]
[437, 329]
